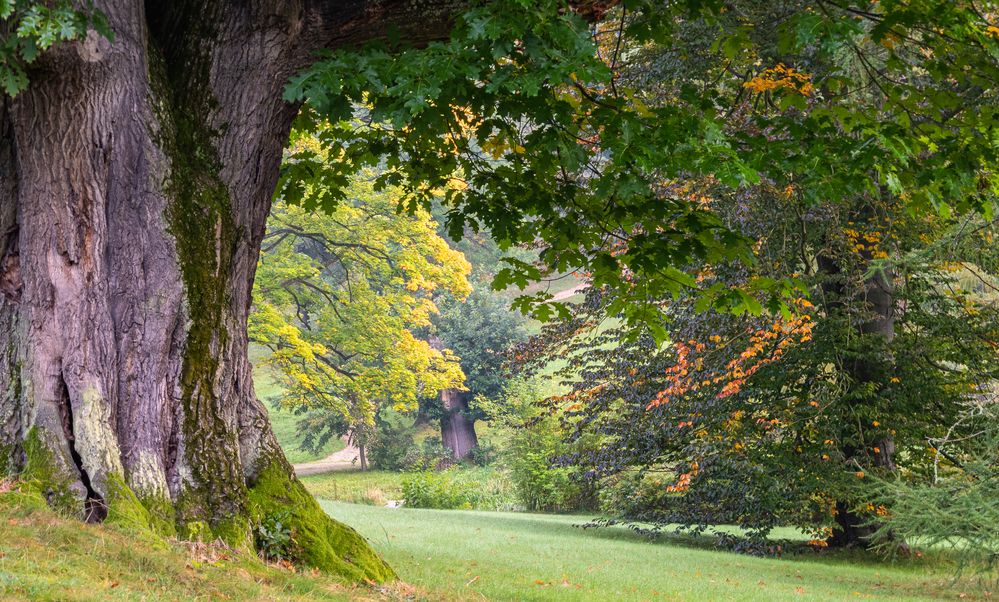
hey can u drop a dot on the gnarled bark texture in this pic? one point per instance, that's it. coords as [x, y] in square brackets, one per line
[135, 181]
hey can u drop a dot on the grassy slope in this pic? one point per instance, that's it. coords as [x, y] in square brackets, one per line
[372, 487]
[46, 557]
[283, 421]
[507, 556]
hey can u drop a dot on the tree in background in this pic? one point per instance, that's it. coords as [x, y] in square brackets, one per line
[876, 274]
[337, 299]
[480, 330]
[776, 420]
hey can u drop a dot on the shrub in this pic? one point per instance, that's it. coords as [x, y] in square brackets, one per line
[441, 490]
[536, 445]
[274, 536]
[959, 509]
[541, 486]
[393, 448]
[434, 455]
[483, 454]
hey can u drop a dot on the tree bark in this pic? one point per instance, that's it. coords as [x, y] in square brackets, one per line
[135, 182]
[876, 299]
[457, 427]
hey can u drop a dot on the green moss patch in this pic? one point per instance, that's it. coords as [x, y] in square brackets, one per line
[46, 557]
[319, 540]
[40, 473]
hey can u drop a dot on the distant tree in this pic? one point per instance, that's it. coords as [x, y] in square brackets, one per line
[337, 299]
[776, 420]
[479, 330]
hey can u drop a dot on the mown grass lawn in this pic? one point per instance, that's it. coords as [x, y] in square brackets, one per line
[466, 555]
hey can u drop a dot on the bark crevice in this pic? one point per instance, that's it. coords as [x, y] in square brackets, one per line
[95, 509]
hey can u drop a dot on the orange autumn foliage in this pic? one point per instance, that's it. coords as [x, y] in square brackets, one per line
[766, 346]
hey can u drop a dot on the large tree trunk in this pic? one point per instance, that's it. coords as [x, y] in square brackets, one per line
[457, 426]
[876, 299]
[135, 182]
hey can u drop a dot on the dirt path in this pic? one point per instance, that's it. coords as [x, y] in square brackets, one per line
[341, 460]
[563, 295]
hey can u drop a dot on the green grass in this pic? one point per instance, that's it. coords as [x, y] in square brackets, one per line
[283, 422]
[442, 555]
[374, 487]
[462, 555]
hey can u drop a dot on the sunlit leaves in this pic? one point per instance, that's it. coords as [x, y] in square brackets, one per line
[554, 148]
[338, 296]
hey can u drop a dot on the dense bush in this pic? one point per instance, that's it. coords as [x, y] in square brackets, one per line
[395, 448]
[483, 454]
[460, 489]
[541, 485]
[432, 455]
[441, 490]
[392, 448]
[536, 450]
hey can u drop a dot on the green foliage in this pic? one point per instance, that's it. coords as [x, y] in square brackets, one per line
[480, 330]
[774, 421]
[274, 538]
[460, 488]
[959, 509]
[777, 415]
[483, 454]
[28, 27]
[528, 126]
[441, 490]
[393, 448]
[535, 451]
[337, 299]
[540, 486]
